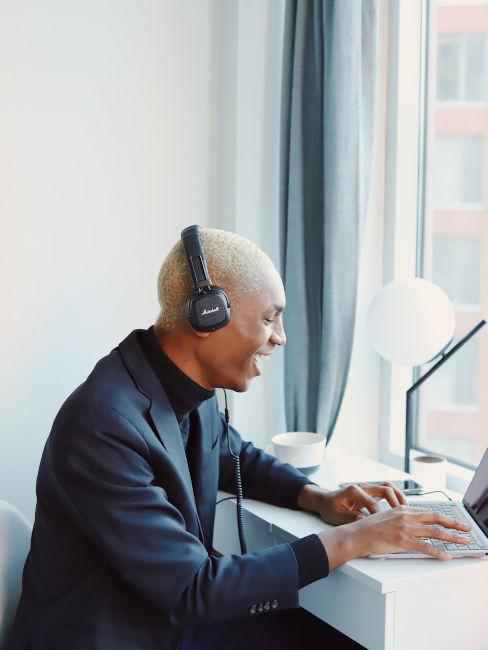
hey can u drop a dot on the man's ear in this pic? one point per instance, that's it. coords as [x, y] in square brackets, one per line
[186, 325]
[202, 335]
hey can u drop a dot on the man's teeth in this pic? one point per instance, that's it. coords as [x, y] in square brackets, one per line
[261, 357]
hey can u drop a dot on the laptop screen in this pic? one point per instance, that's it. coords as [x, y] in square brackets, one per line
[476, 497]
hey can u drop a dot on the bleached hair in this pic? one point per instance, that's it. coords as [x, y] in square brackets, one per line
[234, 263]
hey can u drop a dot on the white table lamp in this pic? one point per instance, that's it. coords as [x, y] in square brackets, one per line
[410, 322]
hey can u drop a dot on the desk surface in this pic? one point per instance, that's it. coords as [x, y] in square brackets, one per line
[382, 575]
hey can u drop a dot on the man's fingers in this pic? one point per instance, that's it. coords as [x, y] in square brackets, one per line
[385, 492]
[368, 502]
[399, 494]
[444, 534]
[359, 498]
[350, 516]
[440, 520]
[425, 547]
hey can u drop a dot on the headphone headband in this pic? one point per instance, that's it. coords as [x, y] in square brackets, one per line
[208, 308]
[196, 259]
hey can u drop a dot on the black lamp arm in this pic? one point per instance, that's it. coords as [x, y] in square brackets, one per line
[413, 388]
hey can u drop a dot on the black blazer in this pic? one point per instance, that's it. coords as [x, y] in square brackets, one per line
[121, 552]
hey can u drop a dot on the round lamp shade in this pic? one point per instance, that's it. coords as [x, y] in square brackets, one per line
[410, 321]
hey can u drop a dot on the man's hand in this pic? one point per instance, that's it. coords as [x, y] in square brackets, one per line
[344, 506]
[399, 529]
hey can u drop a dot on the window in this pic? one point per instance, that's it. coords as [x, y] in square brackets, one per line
[436, 220]
[461, 67]
[452, 412]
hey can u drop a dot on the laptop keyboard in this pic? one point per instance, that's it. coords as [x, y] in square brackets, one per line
[476, 541]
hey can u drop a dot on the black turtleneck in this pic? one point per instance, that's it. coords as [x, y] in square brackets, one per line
[185, 396]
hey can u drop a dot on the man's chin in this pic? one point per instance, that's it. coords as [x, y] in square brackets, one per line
[241, 388]
[238, 386]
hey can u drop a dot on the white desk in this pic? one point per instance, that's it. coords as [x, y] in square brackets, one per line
[382, 604]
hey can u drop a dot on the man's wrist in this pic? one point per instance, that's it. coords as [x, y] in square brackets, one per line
[309, 497]
[340, 544]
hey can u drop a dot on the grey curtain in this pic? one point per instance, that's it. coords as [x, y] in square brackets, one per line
[327, 123]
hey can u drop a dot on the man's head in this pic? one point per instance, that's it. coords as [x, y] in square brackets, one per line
[228, 357]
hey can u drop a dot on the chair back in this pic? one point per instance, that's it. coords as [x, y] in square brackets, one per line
[15, 536]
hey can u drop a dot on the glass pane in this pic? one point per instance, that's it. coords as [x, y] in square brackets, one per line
[472, 169]
[458, 170]
[460, 67]
[474, 68]
[451, 254]
[448, 68]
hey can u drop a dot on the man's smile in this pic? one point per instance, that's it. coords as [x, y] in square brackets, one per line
[258, 359]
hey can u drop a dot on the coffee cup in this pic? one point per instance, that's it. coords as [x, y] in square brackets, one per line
[302, 449]
[430, 471]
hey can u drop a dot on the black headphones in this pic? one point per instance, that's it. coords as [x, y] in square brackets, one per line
[208, 308]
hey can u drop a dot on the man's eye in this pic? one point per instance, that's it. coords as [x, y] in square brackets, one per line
[268, 320]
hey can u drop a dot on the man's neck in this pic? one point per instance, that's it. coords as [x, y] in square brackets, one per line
[178, 346]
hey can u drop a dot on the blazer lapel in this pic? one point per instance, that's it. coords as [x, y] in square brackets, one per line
[161, 414]
[205, 472]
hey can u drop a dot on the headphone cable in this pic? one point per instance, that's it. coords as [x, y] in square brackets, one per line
[237, 480]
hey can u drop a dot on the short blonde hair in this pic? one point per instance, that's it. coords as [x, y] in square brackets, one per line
[234, 263]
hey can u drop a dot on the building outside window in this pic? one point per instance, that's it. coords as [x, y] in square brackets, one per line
[451, 253]
[461, 66]
[458, 170]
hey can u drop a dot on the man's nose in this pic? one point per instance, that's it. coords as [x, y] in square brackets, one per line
[278, 336]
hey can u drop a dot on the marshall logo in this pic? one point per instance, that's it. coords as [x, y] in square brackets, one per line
[210, 311]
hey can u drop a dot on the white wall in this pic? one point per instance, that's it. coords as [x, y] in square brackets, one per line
[106, 151]
[120, 123]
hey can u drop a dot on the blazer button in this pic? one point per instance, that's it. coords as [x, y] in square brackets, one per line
[267, 606]
[274, 604]
[261, 607]
[253, 609]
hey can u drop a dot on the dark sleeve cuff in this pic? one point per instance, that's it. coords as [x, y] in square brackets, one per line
[312, 560]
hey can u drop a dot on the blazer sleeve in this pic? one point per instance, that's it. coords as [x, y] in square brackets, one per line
[106, 485]
[264, 477]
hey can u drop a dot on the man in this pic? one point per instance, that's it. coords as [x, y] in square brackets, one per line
[121, 554]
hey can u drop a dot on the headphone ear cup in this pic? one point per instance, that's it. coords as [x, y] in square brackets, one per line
[208, 310]
[190, 311]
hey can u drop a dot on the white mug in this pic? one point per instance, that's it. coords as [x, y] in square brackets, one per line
[430, 471]
[302, 449]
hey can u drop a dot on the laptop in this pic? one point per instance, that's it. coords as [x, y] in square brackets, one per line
[473, 509]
